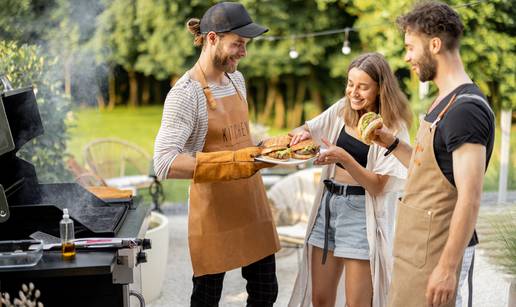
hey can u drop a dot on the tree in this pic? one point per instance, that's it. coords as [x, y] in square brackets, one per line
[165, 45]
[25, 65]
[63, 40]
[300, 88]
[23, 20]
[117, 39]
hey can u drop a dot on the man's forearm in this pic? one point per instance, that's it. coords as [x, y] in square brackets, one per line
[469, 162]
[403, 152]
[461, 229]
[182, 167]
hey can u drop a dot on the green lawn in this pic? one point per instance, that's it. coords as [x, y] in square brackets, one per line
[138, 126]
[141, 125]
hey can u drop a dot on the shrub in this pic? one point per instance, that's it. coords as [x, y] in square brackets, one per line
[26, 65]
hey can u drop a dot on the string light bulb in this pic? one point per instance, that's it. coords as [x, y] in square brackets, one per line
[293, 53]
[346, 49]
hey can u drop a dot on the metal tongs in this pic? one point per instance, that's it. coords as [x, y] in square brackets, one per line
[103, 243]
[53, 243]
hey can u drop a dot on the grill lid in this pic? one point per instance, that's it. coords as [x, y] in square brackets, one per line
[32, 206]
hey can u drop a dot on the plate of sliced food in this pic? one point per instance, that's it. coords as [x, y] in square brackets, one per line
[277, 150]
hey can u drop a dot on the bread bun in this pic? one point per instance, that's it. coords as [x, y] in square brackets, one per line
[304, 150]
[277, 159]
[302, 157]
[367, 124]
[282, 140]
[303, 144]
[368, 134]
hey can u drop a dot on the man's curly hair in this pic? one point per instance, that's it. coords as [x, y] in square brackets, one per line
[434, 19]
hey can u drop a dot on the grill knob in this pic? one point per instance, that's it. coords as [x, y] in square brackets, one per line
[141, 258]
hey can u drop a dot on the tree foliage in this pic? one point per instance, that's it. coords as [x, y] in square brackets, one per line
[23, 20]
[487, 49]
[165, 46]
[25, 65]
[93, 48]
[147, 40]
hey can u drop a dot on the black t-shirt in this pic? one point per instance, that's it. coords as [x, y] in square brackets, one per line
[468, 120]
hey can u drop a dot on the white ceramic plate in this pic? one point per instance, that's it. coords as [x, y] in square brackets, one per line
[290, 161]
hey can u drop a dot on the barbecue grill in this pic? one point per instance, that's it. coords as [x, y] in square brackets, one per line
[105, 264]
[26, 205]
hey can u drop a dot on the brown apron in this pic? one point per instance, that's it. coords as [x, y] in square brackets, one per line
[422, 223]
[230, 223]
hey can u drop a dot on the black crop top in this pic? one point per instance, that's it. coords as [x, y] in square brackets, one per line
[354, 147]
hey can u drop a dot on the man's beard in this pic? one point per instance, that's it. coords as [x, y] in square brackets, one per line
[221, 61]
[427, 67]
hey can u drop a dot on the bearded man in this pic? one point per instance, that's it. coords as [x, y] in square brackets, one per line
[438, 212]
[205, 136]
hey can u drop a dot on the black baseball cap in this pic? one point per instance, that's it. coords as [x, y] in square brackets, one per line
[230, 17]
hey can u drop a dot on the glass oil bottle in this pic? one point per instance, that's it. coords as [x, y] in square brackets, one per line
[67, 236]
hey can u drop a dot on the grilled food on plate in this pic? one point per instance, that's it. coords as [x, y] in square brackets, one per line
[280, 153]
[276, 148]
[304, 150]
[282, 140]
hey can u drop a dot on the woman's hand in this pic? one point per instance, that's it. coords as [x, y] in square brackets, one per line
[298, 137]
[332, 154]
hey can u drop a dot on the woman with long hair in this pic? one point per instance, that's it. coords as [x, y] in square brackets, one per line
[351, 224]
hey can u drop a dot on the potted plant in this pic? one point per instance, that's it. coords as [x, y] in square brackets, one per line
[501, 246]
[153, 272]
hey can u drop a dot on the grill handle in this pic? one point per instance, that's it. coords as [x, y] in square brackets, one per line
[4, 206]
[6, 83]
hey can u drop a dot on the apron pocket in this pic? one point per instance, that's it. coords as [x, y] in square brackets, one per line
[412, 234]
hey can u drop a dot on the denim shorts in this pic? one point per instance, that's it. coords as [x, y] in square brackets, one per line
[347, 230]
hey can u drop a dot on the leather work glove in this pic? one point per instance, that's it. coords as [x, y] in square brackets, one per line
[227, 165]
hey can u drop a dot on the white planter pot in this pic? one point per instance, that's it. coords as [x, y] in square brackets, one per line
[153, 272]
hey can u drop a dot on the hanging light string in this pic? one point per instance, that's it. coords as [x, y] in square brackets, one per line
[346, 30]
[321, 33]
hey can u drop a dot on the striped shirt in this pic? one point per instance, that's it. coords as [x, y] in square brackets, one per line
[184, 124]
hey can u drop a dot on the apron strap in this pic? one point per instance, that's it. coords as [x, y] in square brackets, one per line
[327, 216]
[234, 85]
[470, 281]
[454, 99]
[199, 74]
[446, 108]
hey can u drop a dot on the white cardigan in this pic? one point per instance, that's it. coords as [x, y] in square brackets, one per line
[380, 211]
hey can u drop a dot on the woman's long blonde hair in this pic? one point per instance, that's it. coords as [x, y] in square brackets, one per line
[392, 104]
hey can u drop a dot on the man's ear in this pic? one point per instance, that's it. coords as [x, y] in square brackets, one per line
[211, 38]
[435, 45]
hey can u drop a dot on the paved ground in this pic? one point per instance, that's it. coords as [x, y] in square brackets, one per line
[490, 286]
